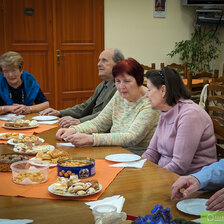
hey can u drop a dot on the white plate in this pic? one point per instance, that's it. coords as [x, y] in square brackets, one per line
[44, 118]
[39, 164]
[10, 117]
[10, 141]
[192, 206]
[123, 157]
[20, 128]
[30, 153]
[20, 134]
[67, 194]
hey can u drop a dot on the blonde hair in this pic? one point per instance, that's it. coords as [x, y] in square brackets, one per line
[11, 59]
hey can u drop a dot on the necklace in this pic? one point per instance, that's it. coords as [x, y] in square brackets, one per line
[23, 97]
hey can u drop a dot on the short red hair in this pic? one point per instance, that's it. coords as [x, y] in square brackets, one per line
[131, 67]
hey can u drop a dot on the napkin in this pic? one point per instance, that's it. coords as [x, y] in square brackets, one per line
[15, 221]
[65, 144]
[137, 164]
[48, 122]
[115, 200]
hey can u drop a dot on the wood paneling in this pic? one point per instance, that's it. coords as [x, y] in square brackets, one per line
[73, 28]
[79, 46]
[32, 37]
[2, 42]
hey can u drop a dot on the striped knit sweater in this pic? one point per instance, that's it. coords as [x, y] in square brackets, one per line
[130, 124]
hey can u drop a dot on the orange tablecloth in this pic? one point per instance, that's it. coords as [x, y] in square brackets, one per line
[37, 130]
[104, 174]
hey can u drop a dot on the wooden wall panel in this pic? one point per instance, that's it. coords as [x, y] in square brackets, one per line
[77, 62]
[37, 64]
[24, 29]
[77, 23]
[2, 40]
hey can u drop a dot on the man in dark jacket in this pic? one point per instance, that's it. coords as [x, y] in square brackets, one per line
[101, 96]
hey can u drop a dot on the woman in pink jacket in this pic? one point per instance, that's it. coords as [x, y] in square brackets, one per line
[184, 139]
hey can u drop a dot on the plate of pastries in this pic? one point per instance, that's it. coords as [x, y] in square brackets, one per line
[74, 187]
[10, 135]
[21, 124]
[30, 148]
[7, 159]
[24, 139]
[51, 156]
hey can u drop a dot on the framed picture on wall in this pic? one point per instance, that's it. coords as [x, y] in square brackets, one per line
[159, 8]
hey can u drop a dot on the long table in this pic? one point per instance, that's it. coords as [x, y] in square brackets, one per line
[142, 189]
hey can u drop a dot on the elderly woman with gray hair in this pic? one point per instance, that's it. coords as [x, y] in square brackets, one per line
[19, 89]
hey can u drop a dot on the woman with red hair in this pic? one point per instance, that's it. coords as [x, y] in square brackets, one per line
[128, 119]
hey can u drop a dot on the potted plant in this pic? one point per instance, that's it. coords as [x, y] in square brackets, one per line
[199, 51]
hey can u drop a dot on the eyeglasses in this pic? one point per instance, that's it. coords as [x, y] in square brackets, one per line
[6, 72]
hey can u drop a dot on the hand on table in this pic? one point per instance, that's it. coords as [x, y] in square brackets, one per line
[63, 133]
[20, 109]
[189, 183]
[216, 201]
[80, 139]
[67, 121]
[50, 111]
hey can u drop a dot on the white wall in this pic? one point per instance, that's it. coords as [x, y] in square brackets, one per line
[131, 27]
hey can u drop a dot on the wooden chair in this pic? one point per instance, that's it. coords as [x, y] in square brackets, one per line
[219, 80]
[182, 69]
[196, 82]
[215, 108]
[223, 70]
[147, 68]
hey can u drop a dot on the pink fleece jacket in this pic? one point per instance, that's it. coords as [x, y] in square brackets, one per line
[184, 140]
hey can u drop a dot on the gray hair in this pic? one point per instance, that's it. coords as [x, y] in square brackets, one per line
[11, 59]
[118, 55]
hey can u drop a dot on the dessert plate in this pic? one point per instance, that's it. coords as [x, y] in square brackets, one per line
[10, 136]
[123, 157]
[192, 206]
[11, 117]
[44, 118]
[20, 128]
[67, 194]
[36, 162]
[31, 153]
[10, 141]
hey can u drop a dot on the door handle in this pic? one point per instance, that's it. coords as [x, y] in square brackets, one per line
[58, 57]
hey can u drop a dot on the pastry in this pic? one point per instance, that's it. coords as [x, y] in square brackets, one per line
[7, 159]
[60, 188]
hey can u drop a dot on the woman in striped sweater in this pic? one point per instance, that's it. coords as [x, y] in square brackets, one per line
[128, 119]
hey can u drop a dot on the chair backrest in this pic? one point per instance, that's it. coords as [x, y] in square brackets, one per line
[219, 80]
[215, 108]
[196, 82]
[223, 70]
[147, 68]
[182, 69]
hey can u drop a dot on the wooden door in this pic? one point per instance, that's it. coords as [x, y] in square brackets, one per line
[28, 30]
[60, 41]
[79, 40]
